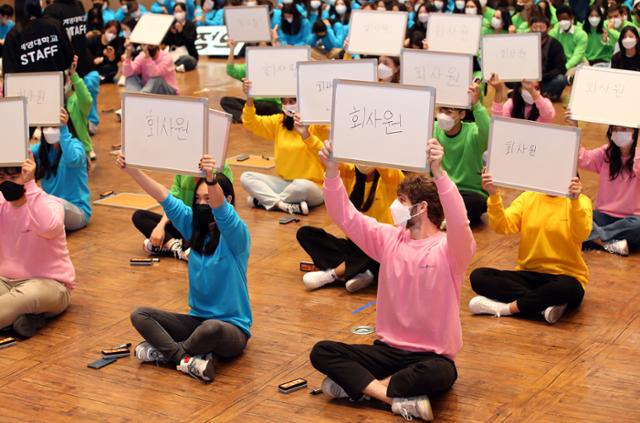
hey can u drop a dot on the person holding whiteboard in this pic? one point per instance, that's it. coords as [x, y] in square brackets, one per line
[151, 72]
[551, 274]
[464, 144]
[372, 191]
[36, 273]
[418, 306]
[62, 171]
[299, 171]
[526, 102]
[216, 325]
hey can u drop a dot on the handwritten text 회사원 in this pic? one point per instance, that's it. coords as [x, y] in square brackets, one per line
[460, 32]
[606, 88]
[33, 96]
[513, 148]
[167, 126]
[513, 53]
[274, 70]
[362, 117]
[451, 75]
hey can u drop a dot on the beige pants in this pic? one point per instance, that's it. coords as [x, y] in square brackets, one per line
[31, 296]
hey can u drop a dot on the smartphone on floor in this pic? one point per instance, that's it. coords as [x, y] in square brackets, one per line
[98, 364]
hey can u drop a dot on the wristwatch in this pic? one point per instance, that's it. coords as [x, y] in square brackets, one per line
[212, 183]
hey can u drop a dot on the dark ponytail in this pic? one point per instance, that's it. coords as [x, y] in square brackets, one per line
[357, 193]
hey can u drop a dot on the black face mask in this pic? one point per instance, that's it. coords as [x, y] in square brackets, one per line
[204, 216]
[11, 191]
[519, 7]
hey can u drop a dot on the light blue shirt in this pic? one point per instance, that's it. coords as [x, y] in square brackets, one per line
[5, 28]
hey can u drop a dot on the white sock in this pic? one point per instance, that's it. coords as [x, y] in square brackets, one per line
[504, 309]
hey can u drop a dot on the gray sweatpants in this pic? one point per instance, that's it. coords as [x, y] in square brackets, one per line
[157, 85]
[270, 190]
[179, 335]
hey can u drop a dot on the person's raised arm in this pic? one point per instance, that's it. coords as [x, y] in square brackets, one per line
[581, 218]
[502, 221]
[46, 215]
[156, 190]
[73, 153]
[263, 126]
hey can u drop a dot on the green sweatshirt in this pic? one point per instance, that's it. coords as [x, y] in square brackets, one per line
[239, 72]
[599, 51]
[574, 43]
[184, 187]
[79, 105]
[463, 152]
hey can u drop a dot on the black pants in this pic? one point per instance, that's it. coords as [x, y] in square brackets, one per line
[476, 205]
[328, 251]
[533, 291]
[353, 367]
[179, 335]
[146, 221]
[234, 106]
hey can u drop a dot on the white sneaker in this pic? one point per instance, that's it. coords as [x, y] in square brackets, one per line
[178, 252]
[253, 202]
[147, 353]
[617, 247]
[92, 155]
[359, 281]
[332, 389]
[122, 81]
[93, 128]
[180, 68]
[119, 115]
[409, 408]
[296, 208]
[197, 367]
[315, 280]
[483, 305]
[554, 313]
[150, 249]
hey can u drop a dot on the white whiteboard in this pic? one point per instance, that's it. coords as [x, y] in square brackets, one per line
[607, 96]
[44, 92]
[380, 33]
[315, 84]
[219, 126]
[14, 142]
[533, 156]
[248, 23]
[166, 133]
[382, 124]
[513, 57]
[151, 29]
[451, 33]
[272, 70]
[450, 74]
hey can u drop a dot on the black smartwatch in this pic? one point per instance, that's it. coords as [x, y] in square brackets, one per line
[212, 183]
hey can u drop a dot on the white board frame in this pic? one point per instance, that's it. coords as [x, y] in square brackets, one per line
[332, 63]
[11, 162]
[515, 38]
[404, 72]
[523, 122]
[211, 140]
[455, 48]
[177, 99]
[355, 45]
[53, 115]
[251, 70]
[390, 163]
[149, 29]
[604, 115]
[231, 29]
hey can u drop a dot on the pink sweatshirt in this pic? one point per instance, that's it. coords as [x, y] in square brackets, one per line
[33, 243]
[620, 197]
[545, 107]
[418, 304]
[162, 66]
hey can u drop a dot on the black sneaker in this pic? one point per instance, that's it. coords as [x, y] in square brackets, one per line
[28, 325]
[297, 208]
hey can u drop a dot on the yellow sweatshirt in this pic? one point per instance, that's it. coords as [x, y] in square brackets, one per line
[386, 191]
[551, 229]
[295, 158]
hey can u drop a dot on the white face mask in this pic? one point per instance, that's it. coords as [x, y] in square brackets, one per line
[446, 122]
[124, 8]
[402, 1]
[496, 23]
[622, 138]
[289, 109]
[439, 4]
[126, 34]
[180, 16]
[471, 11]
[289, 20]
[617, 22]
[252, 3]
[341, 9]
[315, 4]
[629, 42]
[136, 14]
[287, 1]
[483, 3]
[401, 213]
[564, 25]
[385, 73]
[423, 17]
[526, 96]
[208, 5]
[460, 5]
[51, 135]
[594, 21]
[109, 36]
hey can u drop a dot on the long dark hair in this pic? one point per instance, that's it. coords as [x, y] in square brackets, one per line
[357, 193]
[519, 105]
[294, 27]
[212, 234]
[44, 168]
[624, 32]
[587, 26]
[614, 156]
[505, 16]
[344, 19]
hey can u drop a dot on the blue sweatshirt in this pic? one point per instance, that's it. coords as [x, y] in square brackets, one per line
[217, 283]
[299, 39]
[332, 39]
[5, 28]
[71, 182]
[211, 18]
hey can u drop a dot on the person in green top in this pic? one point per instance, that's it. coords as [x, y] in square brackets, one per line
[572, 37]
[235, 105]
[464, 144]
[78, 104]
[500, 23]
[616, 18]
[602, 39]
[161, 237]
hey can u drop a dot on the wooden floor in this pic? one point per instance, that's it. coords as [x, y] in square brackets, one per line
[585, 368]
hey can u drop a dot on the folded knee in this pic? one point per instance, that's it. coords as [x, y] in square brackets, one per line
[138, 315]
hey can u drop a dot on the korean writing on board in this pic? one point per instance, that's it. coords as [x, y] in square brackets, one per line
[460, 31]
[33, 96]
[324, 85]
[514, 148]
[275, 69]
[513, 53]
[450, 74]
[377, 27]
[169, 126]
[361, 117]
[606, 88]
[248, 22]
